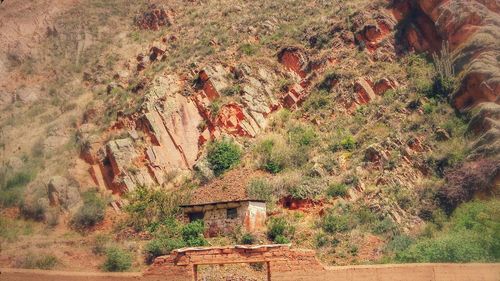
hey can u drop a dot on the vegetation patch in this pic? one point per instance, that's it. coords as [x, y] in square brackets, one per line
[91, 213]
[117, 260]
[223, 155]
[471, 235]
[38, 261]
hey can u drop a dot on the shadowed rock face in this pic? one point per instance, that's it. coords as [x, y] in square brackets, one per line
[472, 29]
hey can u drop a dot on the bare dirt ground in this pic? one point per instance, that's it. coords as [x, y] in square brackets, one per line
[407, 272]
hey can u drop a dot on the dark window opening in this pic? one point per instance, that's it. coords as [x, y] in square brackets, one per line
[232, 213]
[196, 216]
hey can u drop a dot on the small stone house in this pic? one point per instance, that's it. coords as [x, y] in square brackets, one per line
[224, 206]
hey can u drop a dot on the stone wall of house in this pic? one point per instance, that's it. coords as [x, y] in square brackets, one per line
[217, 222]
[255, 216]
[250, 217]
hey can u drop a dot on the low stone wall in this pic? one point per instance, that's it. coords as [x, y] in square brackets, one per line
[388, 272]
[182, 264]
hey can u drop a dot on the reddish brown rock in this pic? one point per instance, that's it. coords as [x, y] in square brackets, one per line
[363, 91]
[155, 53]
[472, 29]
[383, 85]
[295, 60]
[213, 80]
[154, 18]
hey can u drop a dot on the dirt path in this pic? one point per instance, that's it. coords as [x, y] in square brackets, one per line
[407, 272]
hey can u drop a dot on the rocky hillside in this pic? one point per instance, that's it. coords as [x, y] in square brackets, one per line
[362, 124]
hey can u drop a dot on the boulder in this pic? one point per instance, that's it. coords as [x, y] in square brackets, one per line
[203, 171]
[121, 152]
[295, 60]
[155, 17]
[62, 193]
[383, 85]
[214, 80]
[375, 154]
[442, 135]
[364, 91]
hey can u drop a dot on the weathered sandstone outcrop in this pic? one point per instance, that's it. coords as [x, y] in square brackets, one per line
[472, 29]
[176, 119]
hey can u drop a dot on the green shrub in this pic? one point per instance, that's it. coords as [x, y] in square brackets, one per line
[337, 190]
[420, 72]
[19, 179]
[279, 227]
[335, 223]
[365, 216]
[272, 154]
[308, 188]
[471, 235]
[12, 188]
[321, 240]
[353, 250]
[91, 213]
[148, 208]
[399, 243]
[259, 189]
[384, 226]
[248, 239]
[223, 155]
[11, 229]
[346, 143]
[442, 87]
[34, 209]
[39, 261]
[162, 246]
[280, 239]
[100, 244]
[214, 108]
[249, 49]
[317, 100]
[117, 260]
[232, 90]
[429, 108]
[192, 234]
[302, 135]
[454, 247]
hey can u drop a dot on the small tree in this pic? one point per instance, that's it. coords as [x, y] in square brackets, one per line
[444, 83]
[91, 213]
[248, 239]
[279, 230]
[223, 155]
[192, 234]
[117, 260]
[337, 190]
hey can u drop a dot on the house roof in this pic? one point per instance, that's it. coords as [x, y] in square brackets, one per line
[231, 187]
[221, 202]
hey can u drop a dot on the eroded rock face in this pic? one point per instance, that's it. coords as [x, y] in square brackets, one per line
[472, 29]
[175, 120]
[295, 60]
[364, 91]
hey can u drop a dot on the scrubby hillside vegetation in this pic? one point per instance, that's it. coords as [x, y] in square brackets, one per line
[369, 128]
